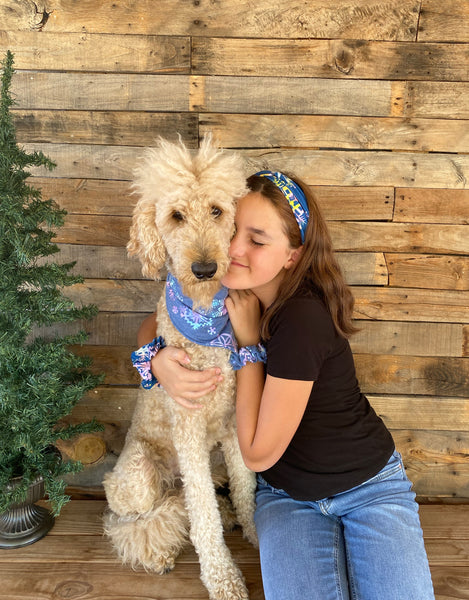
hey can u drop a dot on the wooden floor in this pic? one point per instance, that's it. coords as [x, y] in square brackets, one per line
[74, 562]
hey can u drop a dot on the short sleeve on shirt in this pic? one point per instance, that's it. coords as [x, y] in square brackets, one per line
[302, 337]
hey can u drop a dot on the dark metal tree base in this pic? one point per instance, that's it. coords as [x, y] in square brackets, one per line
[25, 522]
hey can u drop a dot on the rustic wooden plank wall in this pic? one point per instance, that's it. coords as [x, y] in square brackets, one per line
[367, 101]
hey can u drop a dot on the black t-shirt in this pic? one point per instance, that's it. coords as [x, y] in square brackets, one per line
[340, 441]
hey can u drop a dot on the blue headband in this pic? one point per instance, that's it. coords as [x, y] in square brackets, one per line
[295, 196]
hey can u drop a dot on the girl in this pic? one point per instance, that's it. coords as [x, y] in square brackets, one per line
[336, 517]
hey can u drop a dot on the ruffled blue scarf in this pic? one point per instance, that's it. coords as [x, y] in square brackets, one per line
[209, 327]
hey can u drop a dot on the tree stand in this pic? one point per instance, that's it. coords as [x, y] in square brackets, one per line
[25, 522]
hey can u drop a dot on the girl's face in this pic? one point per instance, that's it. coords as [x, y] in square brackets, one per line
[260, 251]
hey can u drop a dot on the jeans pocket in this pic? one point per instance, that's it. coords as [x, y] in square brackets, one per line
[393, 467]
[261, 482]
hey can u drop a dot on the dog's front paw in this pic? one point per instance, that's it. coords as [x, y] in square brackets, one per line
[227, 585]
[230, 590]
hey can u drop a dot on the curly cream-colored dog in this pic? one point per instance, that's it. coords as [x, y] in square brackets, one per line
[184, 221]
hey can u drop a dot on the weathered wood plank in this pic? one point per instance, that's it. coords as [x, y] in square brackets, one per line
[422, 271]
[350, 58]
[360, 268]
[33, 583]
[116, 128]
[433, 482]
[439, 376]
[438, 521]
[397, 169]
[444, 522]
[88, 196]
[317, 131]
[444, 21]
[97, 197]
[436, 462]
[117, 295]
[316, 167]
[432, 206]
[434, 99]
[425, 339]
[363, 268]
[399, 237]
[42, 582]
[107, 405]
[106, 329]
[293, 95]
[376, 303]
[97, 52]
[99, 262]
[78, 549]
[89, 161]
[435, 413]
[439, 524]
[404, 304]
[112, 262]
[450, 583]
[114, 361]
[430, 448]
[407, 338]
[374, 337]
[78, 518]
[94, 229]
[285, 95]
[100, 91]
[377, 374]
[354, 97]
[393, 20]
[440, 482]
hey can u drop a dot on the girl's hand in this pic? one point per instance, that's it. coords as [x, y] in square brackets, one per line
[245, 316]
[182, 384]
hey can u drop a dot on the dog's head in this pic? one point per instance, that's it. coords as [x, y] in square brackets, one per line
[185, 214]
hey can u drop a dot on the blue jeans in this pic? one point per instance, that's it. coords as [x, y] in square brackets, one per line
[362, 544]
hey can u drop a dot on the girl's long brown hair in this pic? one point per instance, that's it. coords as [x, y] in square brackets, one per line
[316, 267]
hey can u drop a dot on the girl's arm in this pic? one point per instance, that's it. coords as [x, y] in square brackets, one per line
[267, 412]
[169, 366]
[147, 330]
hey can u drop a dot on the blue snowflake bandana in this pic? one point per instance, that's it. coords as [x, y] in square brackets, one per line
[210, 327]
[295, 196]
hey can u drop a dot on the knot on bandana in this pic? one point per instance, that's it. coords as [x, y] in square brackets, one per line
[206, 327]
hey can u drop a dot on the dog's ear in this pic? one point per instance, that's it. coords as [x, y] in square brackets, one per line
[145, 241]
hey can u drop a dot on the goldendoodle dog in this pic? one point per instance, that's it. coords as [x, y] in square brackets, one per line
[183, 221]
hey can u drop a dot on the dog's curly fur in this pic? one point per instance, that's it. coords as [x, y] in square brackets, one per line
[185, 214]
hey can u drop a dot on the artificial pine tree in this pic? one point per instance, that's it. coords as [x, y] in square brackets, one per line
[41, 379]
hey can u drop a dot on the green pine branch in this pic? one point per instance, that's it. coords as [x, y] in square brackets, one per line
[40, 380]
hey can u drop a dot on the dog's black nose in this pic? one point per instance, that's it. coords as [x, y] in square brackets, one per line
[204, 270]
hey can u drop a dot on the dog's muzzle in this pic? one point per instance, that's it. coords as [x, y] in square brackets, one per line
[204, 270]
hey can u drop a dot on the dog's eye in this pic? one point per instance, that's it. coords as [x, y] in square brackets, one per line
[216, 212]
[177, 216]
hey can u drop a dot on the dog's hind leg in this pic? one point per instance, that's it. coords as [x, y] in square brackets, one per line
[219, 573]
[147, 521]
[152, 540]
[242, 483]
[134, 484]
